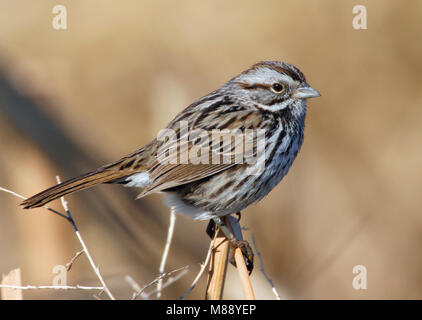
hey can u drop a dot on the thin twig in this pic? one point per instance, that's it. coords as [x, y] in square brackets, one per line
[97, 296]
[168, 282]
[77, 287]
[135, 286]
[69, 218]
[85, 249]
[166, 250]
[261, 264]
[145, 295]
[13, 193]
[201, 271]
[24, 198]
[160, 277]
[72, 261]
[95, 268]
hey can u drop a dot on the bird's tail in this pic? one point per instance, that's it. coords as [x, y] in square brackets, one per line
[79, 183]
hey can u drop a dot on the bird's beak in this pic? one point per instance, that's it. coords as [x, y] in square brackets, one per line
[305, 92]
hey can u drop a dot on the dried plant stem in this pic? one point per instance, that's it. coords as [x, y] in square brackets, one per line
[84, 247]
[219, 259]
[12, 281]
[201, 271]
[77, 287]
[69, 218]
[135, 286]
[244, 275]
[13, 193]
[245, 280]
[167, 283]
[94, 267]
[145, 295]
[156, 280]
[261, 263]
[72, 261]
[166, 250]
[218, 266]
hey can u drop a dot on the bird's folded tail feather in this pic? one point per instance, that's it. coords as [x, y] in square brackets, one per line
[72, 185]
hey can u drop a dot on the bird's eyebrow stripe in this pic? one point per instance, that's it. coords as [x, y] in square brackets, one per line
[246, 85]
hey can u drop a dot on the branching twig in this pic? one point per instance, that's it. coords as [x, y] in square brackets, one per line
[160, 277]
[167, 283]
[261, 264]
[145, 295]
[166, 250]
[69, 218]
[85, 249]
[135, 286]
[201, 271]
[24, 198]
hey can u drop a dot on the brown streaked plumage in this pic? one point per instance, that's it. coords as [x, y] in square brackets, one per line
[206, 190]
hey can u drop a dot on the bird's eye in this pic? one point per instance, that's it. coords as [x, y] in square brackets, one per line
[277, 87]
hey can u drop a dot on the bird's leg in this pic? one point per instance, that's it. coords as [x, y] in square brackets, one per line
[223, 227]
[217, 221]
[242, 244]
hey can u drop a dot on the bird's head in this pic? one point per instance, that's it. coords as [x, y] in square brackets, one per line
[274, 86]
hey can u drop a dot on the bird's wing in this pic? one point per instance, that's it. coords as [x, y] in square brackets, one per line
[175, 164]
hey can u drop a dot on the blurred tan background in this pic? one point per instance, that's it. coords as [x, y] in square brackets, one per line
[75, 99]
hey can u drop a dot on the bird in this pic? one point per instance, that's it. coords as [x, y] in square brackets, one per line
[270, 98]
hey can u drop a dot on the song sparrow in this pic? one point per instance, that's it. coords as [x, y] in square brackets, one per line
[271, 95]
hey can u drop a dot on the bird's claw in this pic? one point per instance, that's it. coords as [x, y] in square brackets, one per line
[247, 253]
